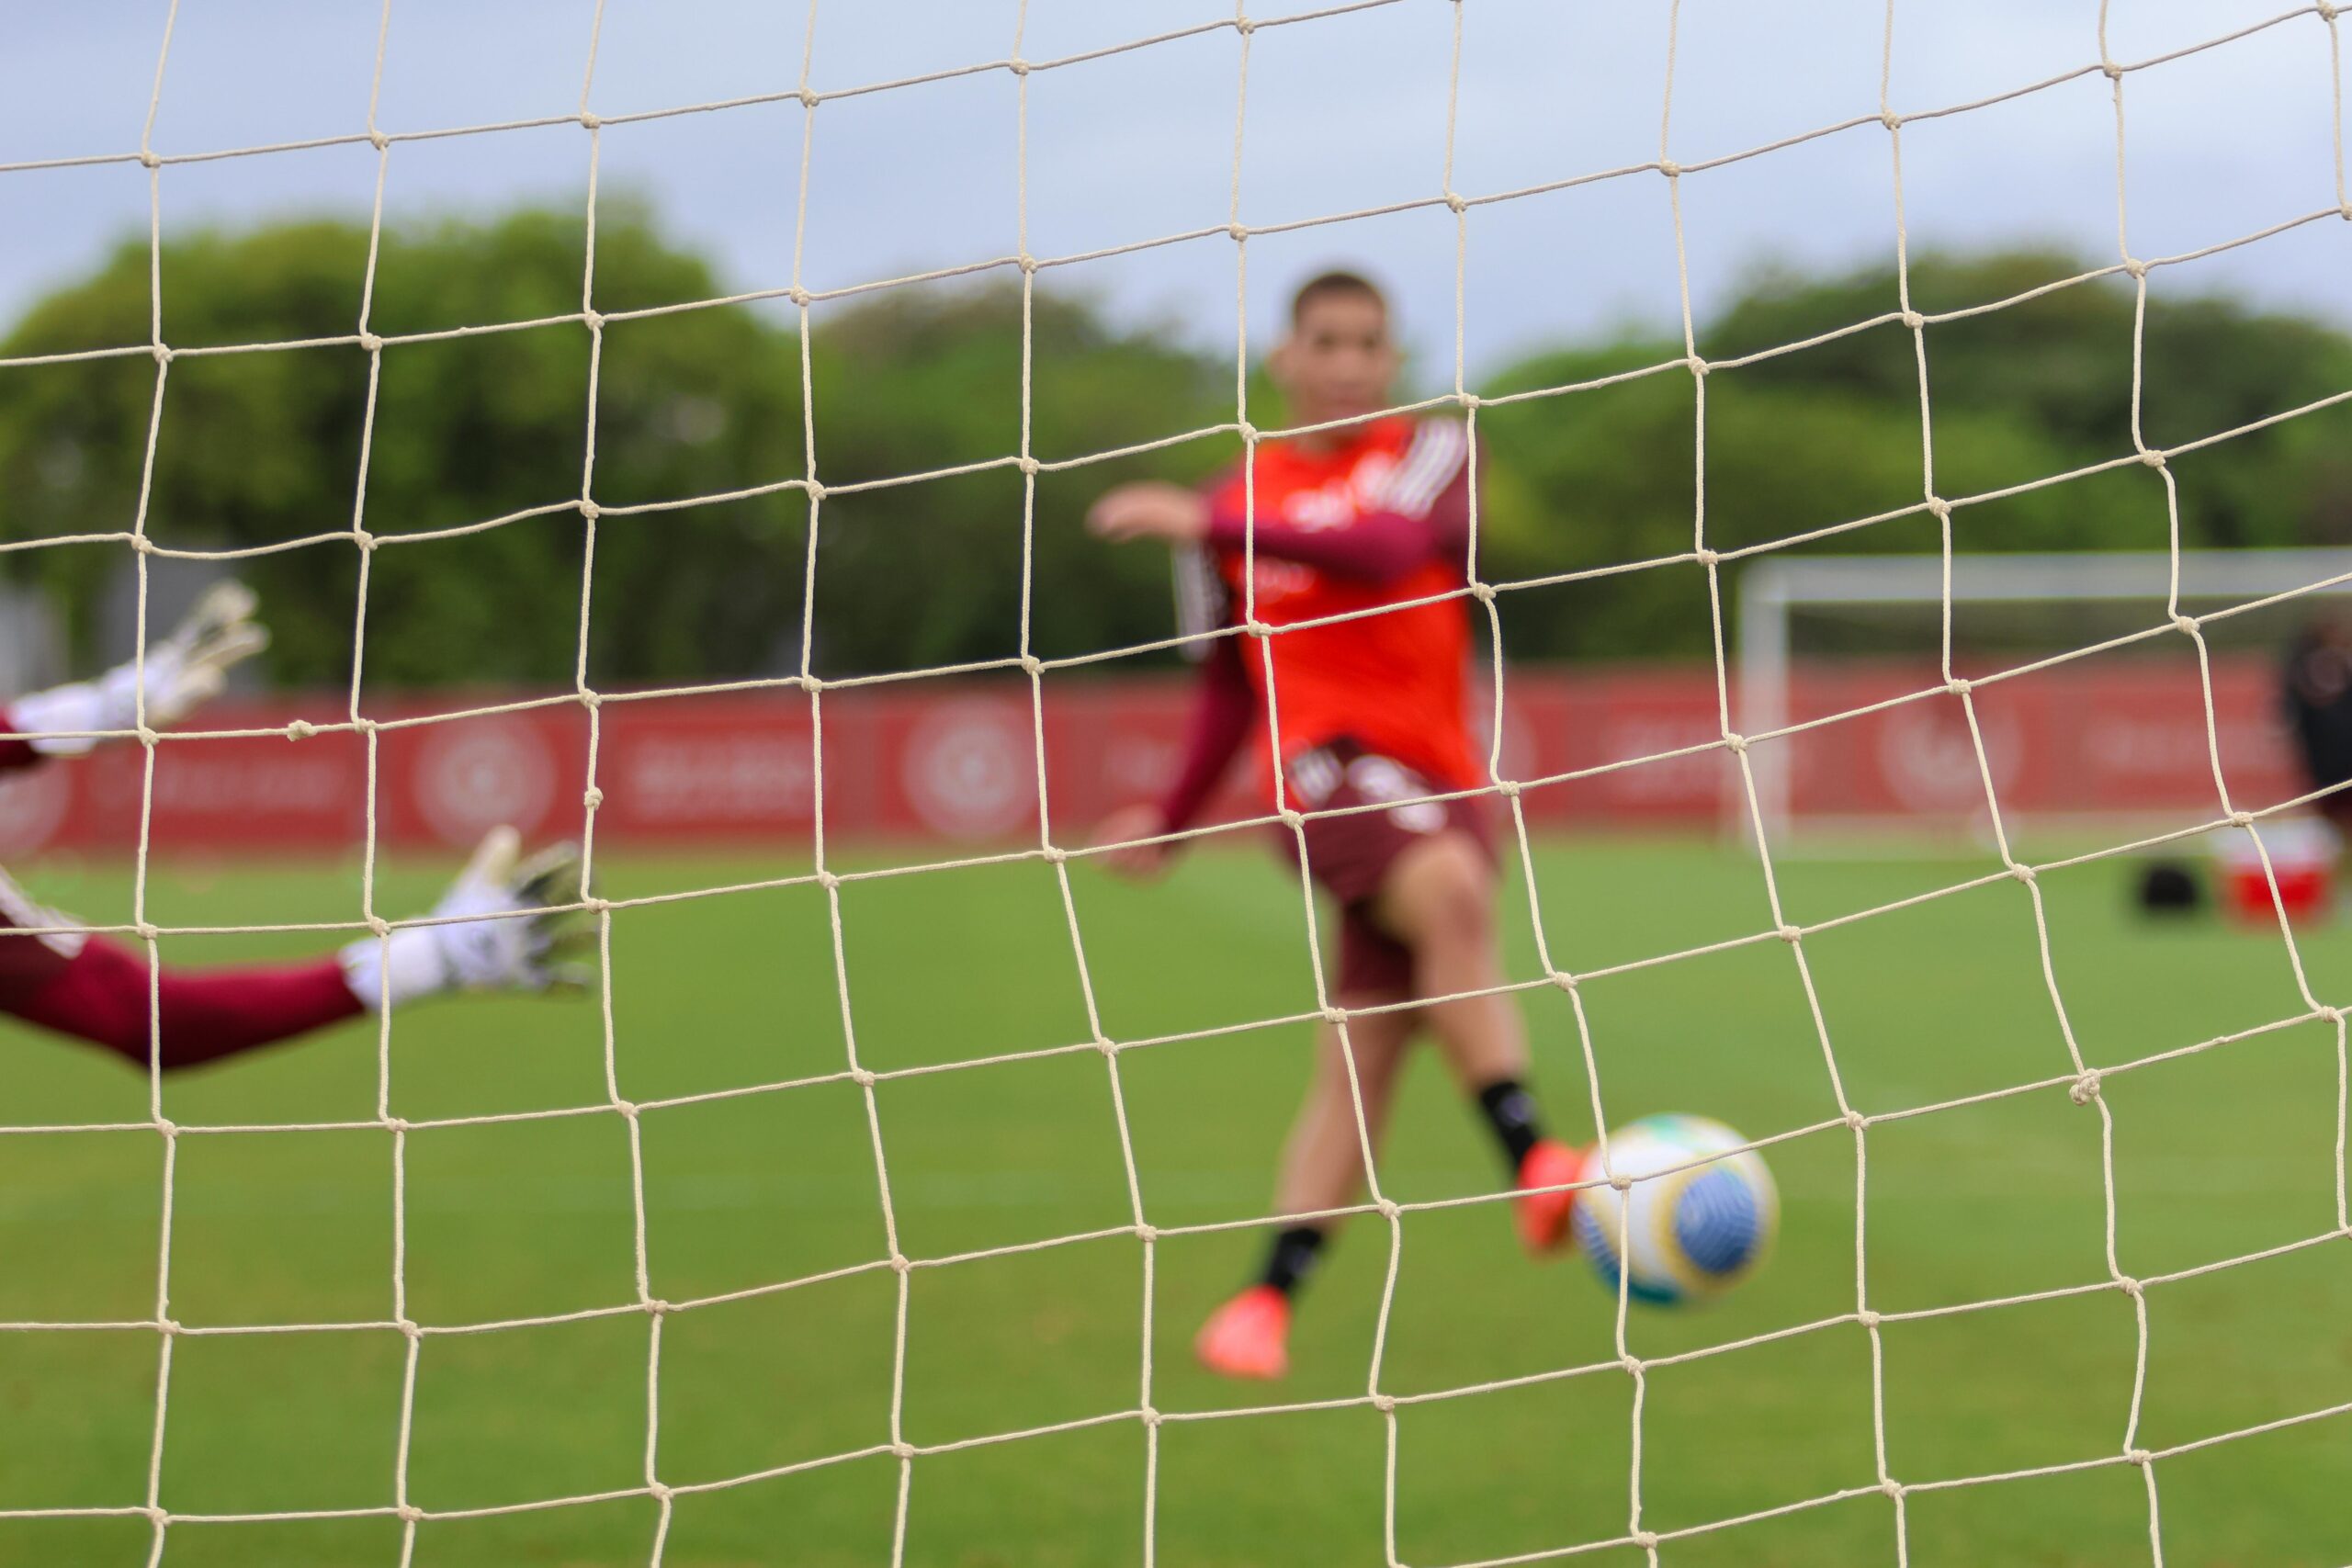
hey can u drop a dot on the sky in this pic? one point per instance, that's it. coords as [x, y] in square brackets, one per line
[1341, 113]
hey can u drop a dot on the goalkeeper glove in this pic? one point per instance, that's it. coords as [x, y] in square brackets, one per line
[522, 951]
[182, 671]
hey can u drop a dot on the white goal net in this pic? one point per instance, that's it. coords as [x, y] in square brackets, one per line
[1753, 735]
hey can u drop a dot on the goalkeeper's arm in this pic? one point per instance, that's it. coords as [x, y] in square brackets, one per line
[179, 672]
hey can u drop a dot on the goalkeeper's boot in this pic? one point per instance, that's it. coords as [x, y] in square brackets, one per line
[501, 926]
[1249, 1337]
[1543, 1216]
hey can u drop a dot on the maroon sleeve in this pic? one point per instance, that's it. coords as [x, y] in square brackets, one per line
[101, 996]
[1431, 523]
[15, 751]
[1222, 714]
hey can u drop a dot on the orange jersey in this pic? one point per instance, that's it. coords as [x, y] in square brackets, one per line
[1380, 519]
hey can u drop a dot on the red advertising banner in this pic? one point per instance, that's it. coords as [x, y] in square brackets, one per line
[957, 762]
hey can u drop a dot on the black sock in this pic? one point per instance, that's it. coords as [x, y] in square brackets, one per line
[1291, 1257]
[1509, 1110]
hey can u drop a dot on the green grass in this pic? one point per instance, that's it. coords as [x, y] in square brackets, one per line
[2217, 1155]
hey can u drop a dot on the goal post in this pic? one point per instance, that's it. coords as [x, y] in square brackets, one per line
[2134, 592]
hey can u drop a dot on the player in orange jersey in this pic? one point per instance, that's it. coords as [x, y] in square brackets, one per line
[1361, 513]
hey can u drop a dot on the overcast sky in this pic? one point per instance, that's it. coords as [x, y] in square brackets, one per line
[1343, 113]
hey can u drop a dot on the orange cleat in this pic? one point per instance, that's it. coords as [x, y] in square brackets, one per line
[1543, 1216]
[1247, 1337]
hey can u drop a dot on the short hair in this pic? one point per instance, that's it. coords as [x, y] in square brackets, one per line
[1327, 285]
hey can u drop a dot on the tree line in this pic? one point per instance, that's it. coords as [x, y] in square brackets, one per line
[255, 450]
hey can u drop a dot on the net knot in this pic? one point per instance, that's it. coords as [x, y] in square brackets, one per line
[1914, 322]
[164, 352]
[1792, 934]
[379, 140]
[1938, 507]
[1147, 1232]
[2329, 10]
[156, 1515]
[903, 1449]
[1331, 1015]
[2184, 623]
[147, 159]
[1707, 556]
[2131, 1287]
[363, 538]
[380, 926]
[397, 1124]
[590, 121]
[1669, 168]
[1031, 665]
[1028, 263]
[1384, 1403]
[2333, 1014]
[799, 295]
[372, 341]
[148, 735]
[1645, 1540]
[409, 1328]
[863, 1076]
[2133, 266]
[1564, 980]
[1018, 67]
[2111, 70]
[2139, 1457]
[1855, 1120]
[660, 1491]
[1620, 1181]
[1483, 591]
[1959, 686]
[1053, 854]
[1890, 119]
[814, 489]
[900, 1263]
[409, 1514]
[2085, 1087]
[1244, 26]
[1108, 1046]
[590, 699]
[1030, 467]
[1735, 743]
[656, 1307]
[1506, 788]
[147, 931]
[1386, 1207]
[1455, 203]
[165, 1125]
[1290, 818]
[592, 797]
[169, 1327]
[627, 1107]
[2242, 818]
[593, 319]
[1697, 366]
[1892, 1487]
[808, 99]
[300, 729]
[1867, 1317]
[1236, 231]
[2022, 872]
[2152, 459]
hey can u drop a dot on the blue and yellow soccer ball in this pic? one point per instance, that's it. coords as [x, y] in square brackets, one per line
[1698, 1218]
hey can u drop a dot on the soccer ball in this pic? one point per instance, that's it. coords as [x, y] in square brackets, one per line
[1692, 1234]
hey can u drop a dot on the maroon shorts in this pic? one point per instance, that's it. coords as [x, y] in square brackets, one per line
[1349, 856]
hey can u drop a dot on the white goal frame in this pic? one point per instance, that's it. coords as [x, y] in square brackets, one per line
[1777, 587]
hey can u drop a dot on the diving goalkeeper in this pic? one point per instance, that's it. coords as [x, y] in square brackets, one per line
[509, 924]
[1367, 520]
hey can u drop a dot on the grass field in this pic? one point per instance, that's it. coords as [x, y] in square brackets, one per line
[2217, 1155]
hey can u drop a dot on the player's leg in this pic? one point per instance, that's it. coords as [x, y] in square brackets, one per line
[1322, 1169]
[1438, 898]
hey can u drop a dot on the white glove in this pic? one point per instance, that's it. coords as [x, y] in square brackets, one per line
[475, 954]
[182, 671]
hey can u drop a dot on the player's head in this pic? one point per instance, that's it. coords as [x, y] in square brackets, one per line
[1337, 360]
